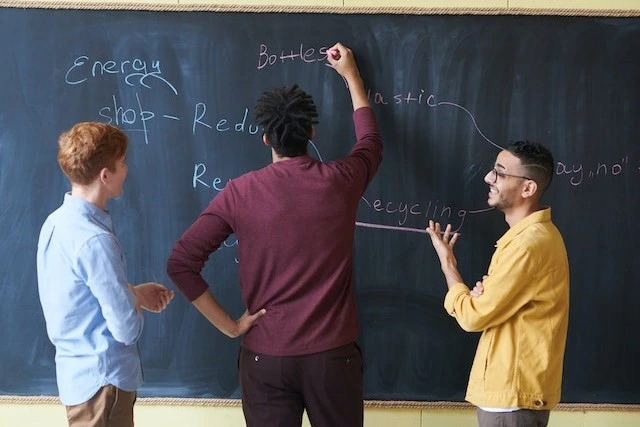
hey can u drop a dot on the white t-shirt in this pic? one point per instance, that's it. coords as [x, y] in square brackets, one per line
[489, 409]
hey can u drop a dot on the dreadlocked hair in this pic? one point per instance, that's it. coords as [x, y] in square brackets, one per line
[287, 115]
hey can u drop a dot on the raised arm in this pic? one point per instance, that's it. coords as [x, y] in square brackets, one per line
[342, 60]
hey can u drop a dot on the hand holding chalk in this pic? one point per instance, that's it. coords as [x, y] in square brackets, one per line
[341, 59]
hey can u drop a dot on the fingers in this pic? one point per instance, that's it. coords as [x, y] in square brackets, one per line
[255, 316]
[478, 289]
[341, 59]
[247, 320]
[165, 298]
[152, 308]
[433, 230]
[334, 52]
[447, 236]
[337, 51]
[155, 297]
[454, 239]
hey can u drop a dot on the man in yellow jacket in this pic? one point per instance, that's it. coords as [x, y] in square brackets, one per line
[522, 303]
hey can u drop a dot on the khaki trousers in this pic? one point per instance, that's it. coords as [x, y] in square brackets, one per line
[109, 407]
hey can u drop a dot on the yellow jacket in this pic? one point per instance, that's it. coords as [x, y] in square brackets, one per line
[523, 315]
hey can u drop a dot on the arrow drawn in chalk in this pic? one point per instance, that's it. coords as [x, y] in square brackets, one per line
[431, 102]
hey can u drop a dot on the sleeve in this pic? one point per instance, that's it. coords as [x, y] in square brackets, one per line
[506, 290]
[366, 155]
[204, 236]
[102, 266]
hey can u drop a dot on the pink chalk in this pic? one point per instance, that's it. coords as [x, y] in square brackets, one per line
[335, 53]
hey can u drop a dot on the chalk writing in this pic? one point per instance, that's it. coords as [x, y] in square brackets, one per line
[134, 119]
[402, 211]
[232, 243]
[267, 58]
[222, 125]
[431, 101]
[148, 73]
[216, 183]
[577, 174]
[134, 71]
[119, 116]
[422, 97]
[419, 97]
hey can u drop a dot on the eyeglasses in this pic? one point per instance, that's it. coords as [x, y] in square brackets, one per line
[494, 174]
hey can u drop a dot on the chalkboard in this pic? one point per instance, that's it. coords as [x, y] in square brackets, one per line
[448, 91]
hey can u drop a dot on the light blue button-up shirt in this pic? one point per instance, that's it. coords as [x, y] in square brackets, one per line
[89, 310]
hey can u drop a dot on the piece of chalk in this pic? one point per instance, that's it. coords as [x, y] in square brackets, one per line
[335, 53]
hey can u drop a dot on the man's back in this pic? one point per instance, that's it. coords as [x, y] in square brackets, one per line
[89, 316]
[294, 221]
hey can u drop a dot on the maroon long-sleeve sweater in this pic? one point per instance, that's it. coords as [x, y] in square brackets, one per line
[294, 221]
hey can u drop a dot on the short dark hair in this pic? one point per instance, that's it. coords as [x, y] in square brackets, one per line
[537, 161]
[287, 115]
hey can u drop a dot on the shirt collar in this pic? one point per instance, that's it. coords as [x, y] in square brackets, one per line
[87, 208]
[302, 158]
[543, 215]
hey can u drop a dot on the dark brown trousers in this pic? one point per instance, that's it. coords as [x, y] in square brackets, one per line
[277, 390]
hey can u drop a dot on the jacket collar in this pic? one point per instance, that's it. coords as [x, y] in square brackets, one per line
[543, 215]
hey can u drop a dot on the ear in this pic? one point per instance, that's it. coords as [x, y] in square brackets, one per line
[530, 189]
[265, 140]
[103, 175]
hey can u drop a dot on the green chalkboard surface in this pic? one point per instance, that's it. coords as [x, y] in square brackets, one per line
[448, 91]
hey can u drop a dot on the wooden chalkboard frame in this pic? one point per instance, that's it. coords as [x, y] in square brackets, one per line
[160, 7]
[381, 404]
[163, 7]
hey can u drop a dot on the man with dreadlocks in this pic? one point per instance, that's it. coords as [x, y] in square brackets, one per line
[294, 221]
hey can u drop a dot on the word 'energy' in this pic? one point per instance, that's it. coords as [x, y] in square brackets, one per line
[134, 71]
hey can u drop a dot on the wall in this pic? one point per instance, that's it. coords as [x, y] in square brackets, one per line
[18, 411]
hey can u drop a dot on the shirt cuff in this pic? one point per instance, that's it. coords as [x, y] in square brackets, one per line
[452, 295]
